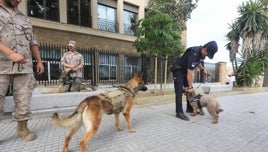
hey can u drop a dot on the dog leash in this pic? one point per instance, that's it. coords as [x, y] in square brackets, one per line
[10, 85]
[197, 87]
[11, 78]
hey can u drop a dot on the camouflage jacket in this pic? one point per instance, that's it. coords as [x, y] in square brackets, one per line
[16, 33]
[74, 58]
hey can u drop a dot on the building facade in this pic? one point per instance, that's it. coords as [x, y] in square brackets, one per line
[104, 24]
[101, 24]
[92, 23]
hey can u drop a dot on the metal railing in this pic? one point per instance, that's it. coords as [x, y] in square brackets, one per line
[100, 66]
[104, 66]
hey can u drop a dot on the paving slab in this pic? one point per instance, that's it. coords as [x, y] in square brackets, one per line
[242, 127]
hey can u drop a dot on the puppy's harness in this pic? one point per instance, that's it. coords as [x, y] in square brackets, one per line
[197, 99]
[118, 97]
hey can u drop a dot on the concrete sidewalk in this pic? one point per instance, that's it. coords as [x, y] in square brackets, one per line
[242, 127]
[43, 102]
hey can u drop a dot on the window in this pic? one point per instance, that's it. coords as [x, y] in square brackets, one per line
[51, 56]
[108, 66]
[44, 9]
[87, 64]
[129, 20]
[106, 18]
[131, 66]
[78, 12]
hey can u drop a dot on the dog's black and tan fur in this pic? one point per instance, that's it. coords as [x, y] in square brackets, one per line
[89, 112]
[212, 105]
[69, 84]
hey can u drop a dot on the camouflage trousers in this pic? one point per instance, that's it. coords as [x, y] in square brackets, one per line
[23, 86]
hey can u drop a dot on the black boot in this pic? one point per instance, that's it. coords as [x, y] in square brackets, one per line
[182, 116]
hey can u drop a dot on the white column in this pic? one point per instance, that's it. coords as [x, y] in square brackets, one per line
[120, 10]
[94, 13]
[63, 11]
[141, 11]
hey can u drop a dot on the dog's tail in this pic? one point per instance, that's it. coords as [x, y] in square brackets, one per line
[63, 121]
[72, 120]
[219, 110]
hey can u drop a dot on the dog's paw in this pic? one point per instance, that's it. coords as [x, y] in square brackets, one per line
[65, 149]
[192, 114]
[214, 122]
[120, 129]
[132, 130]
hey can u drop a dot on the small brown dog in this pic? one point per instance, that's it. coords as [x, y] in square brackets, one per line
[89, 112]
[199, 101]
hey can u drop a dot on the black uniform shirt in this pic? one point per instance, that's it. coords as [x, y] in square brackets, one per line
[191, 58]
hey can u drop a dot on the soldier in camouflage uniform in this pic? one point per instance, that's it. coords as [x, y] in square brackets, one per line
[17, 45]
[73, 60]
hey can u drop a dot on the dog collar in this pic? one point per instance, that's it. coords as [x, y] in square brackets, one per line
[128, 89]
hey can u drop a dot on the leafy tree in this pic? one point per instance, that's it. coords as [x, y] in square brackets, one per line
[159, 33]
[252, 68]
[156, 36]
[179, 10]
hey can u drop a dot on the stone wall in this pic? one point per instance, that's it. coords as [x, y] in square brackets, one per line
[52, 36]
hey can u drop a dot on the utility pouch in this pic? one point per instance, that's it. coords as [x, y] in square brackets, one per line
[174, 67]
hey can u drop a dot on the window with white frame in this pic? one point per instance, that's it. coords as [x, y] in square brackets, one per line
[129, 22]
[108, 66]
[106, 18]
[131, 66]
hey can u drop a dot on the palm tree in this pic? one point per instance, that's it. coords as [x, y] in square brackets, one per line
[253, 26]
[265, 81]
[233, 36]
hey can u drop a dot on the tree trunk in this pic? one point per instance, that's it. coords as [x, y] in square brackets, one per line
[165, 77]
[155, 74]
[265, 79]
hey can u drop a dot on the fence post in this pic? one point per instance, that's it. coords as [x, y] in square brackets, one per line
[94, 67]
[202, 80]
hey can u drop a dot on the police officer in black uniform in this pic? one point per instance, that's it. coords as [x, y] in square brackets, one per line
[183, 74]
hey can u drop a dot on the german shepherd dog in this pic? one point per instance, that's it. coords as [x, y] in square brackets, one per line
[200, 101]
[89, 111]
[69, 84]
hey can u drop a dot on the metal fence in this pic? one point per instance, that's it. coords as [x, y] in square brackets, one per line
[100, 66]
[105, 66]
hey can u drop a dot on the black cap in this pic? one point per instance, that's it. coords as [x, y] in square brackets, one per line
[212, 48]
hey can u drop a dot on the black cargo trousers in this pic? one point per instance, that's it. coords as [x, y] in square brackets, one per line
[180, 81]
